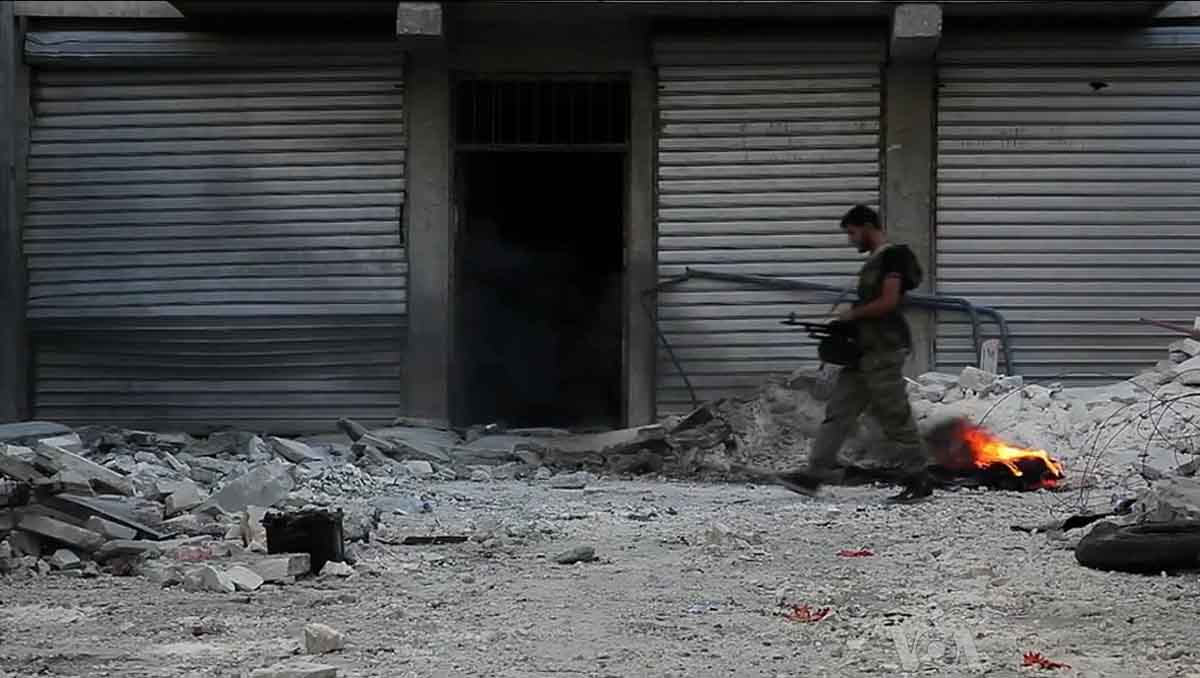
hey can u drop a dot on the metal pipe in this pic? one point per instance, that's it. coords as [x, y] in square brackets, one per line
[915, 299]
[662, 336]
[919, 300]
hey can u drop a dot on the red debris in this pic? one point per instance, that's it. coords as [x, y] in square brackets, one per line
[805, 614]
[862, 553]
[1036, 659]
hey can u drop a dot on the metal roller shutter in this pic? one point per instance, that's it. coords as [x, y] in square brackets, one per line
[217, 246]
[763, 145]
[1068, 194]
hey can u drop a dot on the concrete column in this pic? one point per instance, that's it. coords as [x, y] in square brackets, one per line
[14, 109]
[430, 236]
[910, 91]
[640, 236]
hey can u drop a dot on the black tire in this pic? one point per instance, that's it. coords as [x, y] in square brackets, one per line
[1149, 548]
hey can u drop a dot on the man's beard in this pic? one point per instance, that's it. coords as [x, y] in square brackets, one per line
[863, 248]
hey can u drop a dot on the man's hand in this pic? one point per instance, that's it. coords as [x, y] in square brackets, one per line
[847, 316]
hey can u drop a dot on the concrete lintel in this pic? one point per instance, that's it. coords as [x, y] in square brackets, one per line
[916, 31]
[116, 9]
[419, 19]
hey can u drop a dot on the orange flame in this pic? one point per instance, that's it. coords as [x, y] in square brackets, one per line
[987, 450]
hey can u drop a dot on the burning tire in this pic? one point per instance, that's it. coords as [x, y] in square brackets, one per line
[1149, 548]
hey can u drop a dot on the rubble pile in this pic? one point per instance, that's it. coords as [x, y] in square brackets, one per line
[1135, 430]
[191, 511]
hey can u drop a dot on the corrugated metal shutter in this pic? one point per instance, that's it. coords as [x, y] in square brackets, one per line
[764, 144]
[218, 246]
[1068, 194]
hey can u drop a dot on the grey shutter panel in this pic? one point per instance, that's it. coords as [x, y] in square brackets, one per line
[763, 145]
[1068, 195]
[218, 246]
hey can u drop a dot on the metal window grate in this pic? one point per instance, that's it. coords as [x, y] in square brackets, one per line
[538, 113]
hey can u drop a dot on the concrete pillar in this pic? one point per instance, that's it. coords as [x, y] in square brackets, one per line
[640, 250]
[910, 91]
[430, 236]
[14, 110]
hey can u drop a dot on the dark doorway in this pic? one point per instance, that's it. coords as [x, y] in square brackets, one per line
[539, 332]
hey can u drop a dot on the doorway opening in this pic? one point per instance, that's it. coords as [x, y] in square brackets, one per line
[541, 233]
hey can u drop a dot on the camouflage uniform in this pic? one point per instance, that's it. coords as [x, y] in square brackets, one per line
[877, 383]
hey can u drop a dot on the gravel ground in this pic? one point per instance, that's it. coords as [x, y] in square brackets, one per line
[691, 580]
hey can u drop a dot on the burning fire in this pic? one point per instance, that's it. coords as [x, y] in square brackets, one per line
[988, 451]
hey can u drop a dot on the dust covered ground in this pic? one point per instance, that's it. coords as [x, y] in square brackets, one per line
[691, 580]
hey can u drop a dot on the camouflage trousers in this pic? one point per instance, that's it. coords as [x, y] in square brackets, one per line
[876, 385]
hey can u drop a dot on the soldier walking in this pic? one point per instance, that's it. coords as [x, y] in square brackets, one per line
[876, 383]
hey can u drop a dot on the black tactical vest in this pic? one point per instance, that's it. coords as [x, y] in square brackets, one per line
[890, 332]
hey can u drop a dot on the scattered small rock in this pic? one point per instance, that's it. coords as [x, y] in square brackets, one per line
[322, 639]
[571, 481]
[244, 579]
[578, 554]
[296, 670]
[336, 569]
[64, 559]
[208, 578]
[419, 468]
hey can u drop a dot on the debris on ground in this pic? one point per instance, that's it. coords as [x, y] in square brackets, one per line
[807, 615]
[577, 554]
[322, 639]
[1036, 659]
[296, 670]
[860, 553]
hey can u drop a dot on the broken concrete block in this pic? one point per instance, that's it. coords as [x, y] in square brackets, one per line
[419, 468]
[263, 486]
[222, 442]
[1007, 384]
[579, 554]
[293, 451]
[123, 548]
[244, 579]
[932, 392]
[66, 480]
[64, 559]
[69, 442]
[336, 569]
[571, 481]
[1188, 347]
[109, 529]
[281, 567]
[15, 463]
[84, 540]
[1189, 372]
[56, 459]
[208, 578]
[173, 463]
[975, 379]
[1039, 396]
[31, 431]
[322, 639]
[296, 670]
[184, 497]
